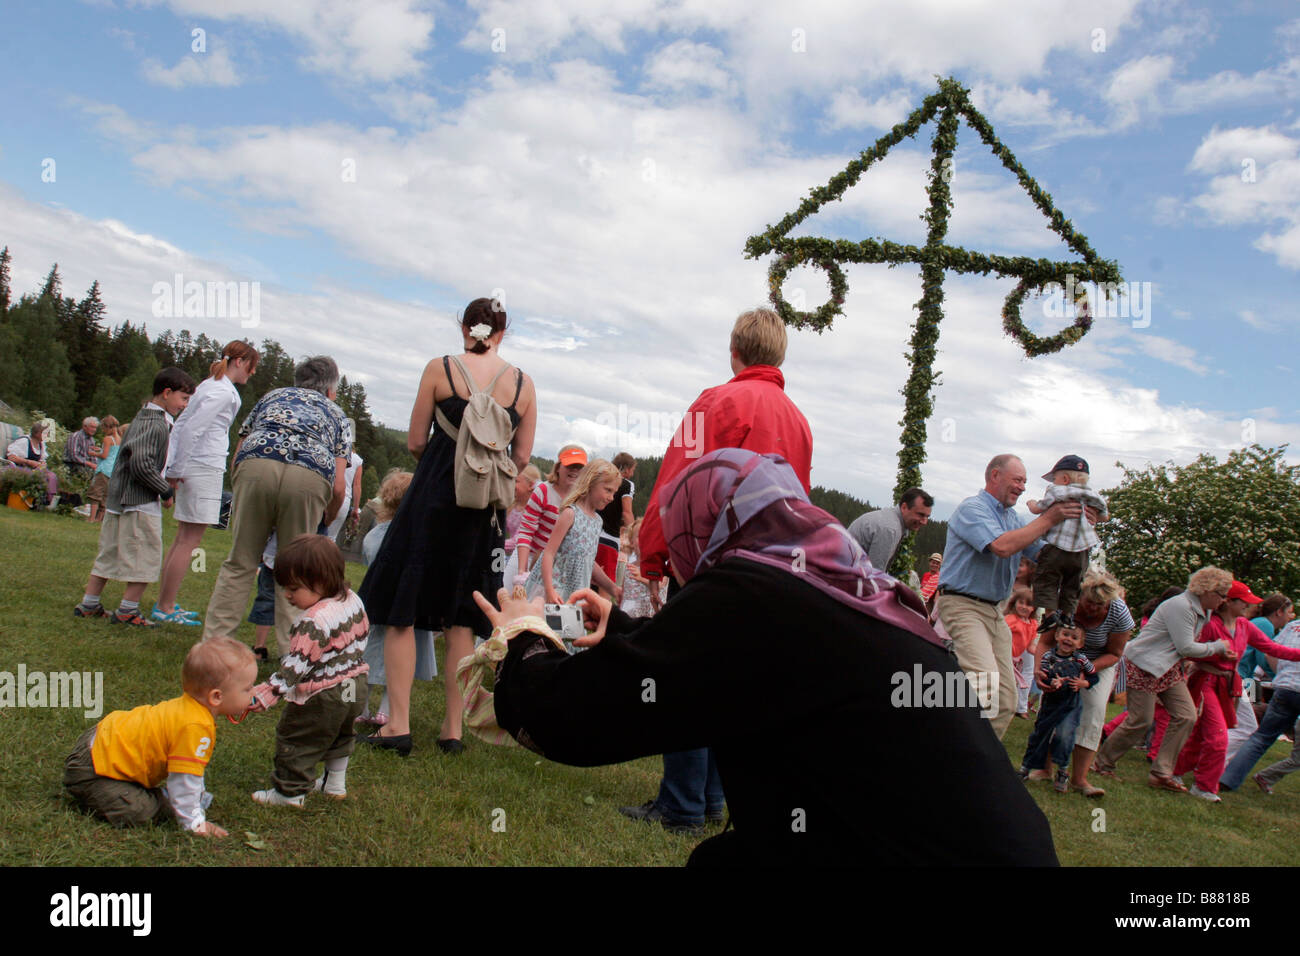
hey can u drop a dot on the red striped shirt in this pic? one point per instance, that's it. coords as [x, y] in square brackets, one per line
[538, 522]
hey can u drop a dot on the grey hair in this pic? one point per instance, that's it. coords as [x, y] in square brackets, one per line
[89, 419]
[320, 373]
[998, 463]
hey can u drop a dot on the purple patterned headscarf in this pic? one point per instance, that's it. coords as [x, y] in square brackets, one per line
[736, 503]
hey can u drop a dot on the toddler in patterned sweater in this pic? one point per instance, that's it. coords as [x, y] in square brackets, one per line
[322, 678]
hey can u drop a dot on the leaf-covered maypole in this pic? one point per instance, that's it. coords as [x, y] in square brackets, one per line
[950, 104]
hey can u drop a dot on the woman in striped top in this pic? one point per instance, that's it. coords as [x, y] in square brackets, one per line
[544, 506]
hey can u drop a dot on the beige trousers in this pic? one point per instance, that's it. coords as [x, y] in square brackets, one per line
[1141, 714]
[982, 642]
[269, 496]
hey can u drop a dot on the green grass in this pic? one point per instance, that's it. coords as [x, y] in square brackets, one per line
[431, 809]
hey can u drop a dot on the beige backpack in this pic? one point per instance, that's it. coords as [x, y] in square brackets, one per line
[485, 473]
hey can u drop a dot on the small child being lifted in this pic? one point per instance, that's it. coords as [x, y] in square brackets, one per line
[1064, 558]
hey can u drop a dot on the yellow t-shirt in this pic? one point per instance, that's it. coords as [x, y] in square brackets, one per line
[144, 745]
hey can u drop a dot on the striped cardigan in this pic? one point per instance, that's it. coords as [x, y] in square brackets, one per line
[137, 476]
[327, 646]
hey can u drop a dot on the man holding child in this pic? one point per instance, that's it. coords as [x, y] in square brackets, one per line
[985, 541]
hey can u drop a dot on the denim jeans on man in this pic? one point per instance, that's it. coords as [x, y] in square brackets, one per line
[691, 787]
[1280, 717]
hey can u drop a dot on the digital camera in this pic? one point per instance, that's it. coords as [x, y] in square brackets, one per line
[565, 620]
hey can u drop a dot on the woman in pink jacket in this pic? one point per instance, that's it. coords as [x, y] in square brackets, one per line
[1215, 686]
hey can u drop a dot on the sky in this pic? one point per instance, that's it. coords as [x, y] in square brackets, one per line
[361, 171]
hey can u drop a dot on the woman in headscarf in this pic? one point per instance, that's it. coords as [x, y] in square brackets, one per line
[839, 759]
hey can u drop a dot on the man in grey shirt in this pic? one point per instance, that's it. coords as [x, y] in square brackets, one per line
[881, 532]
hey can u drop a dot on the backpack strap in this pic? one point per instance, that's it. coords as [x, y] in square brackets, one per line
[519, 384]
[470, 380]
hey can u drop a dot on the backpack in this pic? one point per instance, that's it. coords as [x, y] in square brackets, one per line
[484, 471]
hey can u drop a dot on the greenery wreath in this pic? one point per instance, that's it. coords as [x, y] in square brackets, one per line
[949, 104]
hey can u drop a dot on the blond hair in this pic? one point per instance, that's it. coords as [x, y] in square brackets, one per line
[1074, 477]
[596, 472]
[1207, 579]
[1100, 587]
[391, 492]
[210, 663]
[758, 338]
[532, 473]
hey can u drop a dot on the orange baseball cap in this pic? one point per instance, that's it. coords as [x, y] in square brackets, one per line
[573, 456]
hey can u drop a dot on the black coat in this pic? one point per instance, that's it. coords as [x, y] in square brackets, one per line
[795, 692]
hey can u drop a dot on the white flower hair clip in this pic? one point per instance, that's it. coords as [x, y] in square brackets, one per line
[480, 331]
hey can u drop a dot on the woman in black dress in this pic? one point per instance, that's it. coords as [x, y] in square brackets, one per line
[437, 554]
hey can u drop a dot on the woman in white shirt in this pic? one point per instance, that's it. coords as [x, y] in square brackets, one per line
[196, 464]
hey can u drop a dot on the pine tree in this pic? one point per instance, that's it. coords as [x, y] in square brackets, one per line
[53, 287]
[5, 259]
[84, 341]
[46, 377]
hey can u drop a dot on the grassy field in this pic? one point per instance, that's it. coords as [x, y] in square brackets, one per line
[432, 809]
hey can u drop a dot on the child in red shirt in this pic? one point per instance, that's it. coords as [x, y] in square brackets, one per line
[1024, 634]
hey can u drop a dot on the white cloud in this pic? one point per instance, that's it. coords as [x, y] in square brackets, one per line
[684, 66]
[819, 47]
[849, 109]
[195, 69]
[1132, 88]
[1261, 186]
[1253, 320]
[1227, 148]
[1149, 86]
[377, 41]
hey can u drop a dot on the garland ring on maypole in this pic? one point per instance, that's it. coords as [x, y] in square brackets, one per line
[1034, 345]
[819, 320]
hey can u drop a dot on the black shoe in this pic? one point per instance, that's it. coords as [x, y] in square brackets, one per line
[261, 654]
[450, 745]
[1051, 622]
[648, 812]
[714, 816]
[400, 743]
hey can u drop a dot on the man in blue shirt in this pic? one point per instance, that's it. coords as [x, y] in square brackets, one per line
[985, 541]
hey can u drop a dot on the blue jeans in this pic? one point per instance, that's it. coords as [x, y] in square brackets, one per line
[1055, 729]
[691, 786]
[1280, 717]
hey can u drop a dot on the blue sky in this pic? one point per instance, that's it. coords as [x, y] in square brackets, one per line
[602, 163]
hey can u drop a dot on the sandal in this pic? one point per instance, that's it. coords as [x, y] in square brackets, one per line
[1088, 790]
[1173, 784]
[1105, 773]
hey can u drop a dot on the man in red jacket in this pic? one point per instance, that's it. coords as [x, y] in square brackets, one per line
[752, 412]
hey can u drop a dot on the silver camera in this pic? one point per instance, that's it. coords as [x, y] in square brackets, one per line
[565, 620]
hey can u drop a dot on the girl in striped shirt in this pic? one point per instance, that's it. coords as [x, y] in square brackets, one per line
[544, 507]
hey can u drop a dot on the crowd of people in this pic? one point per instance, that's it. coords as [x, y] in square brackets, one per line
[476, 542]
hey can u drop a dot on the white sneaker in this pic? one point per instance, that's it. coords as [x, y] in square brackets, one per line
[1205, 795]
[274, 798]
[332, 785]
